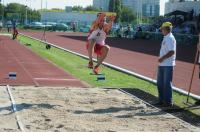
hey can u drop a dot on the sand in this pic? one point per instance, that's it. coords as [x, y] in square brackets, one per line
[76, 109]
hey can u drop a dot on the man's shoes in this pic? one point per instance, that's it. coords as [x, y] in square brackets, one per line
[197, 102]
[96, 70]
[162, 104]
[90, 65]
[168, 105]
[158, 104]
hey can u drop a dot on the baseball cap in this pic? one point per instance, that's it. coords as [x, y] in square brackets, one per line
[166, 24]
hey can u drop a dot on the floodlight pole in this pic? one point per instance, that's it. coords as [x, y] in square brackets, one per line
[3, 11]
[26, 13]
[113, 5]
[41, 5]
[141, 9]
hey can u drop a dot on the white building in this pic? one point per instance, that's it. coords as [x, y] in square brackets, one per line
[68, 8]
[101, 4]
[184, 5]
[149, 7]
[144, 7]
[86, 18]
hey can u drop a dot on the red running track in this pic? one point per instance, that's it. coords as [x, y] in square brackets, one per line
[30, 68]
[139, 56]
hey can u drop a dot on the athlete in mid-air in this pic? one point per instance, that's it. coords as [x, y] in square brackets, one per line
[97, 40]
[91, 42]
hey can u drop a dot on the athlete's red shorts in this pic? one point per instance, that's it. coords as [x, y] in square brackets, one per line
[15, 31]
[97, 48]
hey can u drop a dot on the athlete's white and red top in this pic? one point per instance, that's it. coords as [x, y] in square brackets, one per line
[99, 35]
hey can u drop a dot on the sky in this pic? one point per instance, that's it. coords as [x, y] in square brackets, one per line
[36, 4]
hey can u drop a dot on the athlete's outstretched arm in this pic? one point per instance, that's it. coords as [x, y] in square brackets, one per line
[110, 24]
[100, 18]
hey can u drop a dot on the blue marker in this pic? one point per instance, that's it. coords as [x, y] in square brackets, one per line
[12, 75]
[101, 77]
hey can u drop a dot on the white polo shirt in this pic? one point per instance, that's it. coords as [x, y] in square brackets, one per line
[99, 35]
[168, 44]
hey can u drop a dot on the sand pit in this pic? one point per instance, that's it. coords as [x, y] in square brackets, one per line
[76, 109]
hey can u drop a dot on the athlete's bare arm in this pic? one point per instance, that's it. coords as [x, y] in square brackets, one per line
[100, 18]
[109, 25]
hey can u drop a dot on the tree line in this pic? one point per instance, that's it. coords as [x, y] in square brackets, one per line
[124, 14]
[18, 12]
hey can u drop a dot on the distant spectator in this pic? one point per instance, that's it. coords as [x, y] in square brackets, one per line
[193, 30]
[157, 30]
[139, 29]
[8, 28]
[187, 29]
[1, 25]
[8, 25]
[120, 32]
[15, 32]
[191, 14]
[139, 32]
[176, 30]
[127, 33]
[157, 33]
[74, 27]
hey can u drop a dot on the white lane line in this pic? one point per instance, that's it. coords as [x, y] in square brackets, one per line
[22, 66]
[56, 79]
[20, 125]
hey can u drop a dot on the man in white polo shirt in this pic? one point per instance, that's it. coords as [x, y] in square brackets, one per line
[166, 66]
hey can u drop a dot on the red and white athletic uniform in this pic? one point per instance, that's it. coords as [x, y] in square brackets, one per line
[99, 36]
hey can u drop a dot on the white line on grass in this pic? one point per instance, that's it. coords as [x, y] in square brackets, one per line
[55, 79]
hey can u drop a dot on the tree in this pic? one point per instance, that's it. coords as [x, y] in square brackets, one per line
[116, 6]
[34, 15]
[18, 12]
[1, 10]
[91, 8]
[77, 8]
[127, 15]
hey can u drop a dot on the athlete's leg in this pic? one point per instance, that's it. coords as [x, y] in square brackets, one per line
[16, 33]
[104, 53]
[91, 44]
[101, 58]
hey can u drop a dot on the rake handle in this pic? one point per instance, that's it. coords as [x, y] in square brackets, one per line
[194, 66]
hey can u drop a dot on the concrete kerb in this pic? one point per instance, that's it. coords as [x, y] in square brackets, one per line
[116, 68]
[20, 125]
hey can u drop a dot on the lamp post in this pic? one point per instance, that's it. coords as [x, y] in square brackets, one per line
[41, 4]
[113, 5]
[26, 14]
[3, 12]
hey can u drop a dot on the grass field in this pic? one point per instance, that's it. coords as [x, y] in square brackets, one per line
[77, 67]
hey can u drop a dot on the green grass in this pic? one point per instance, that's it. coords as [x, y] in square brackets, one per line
[77, 67]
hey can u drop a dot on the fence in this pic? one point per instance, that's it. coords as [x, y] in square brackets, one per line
[186, 39]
